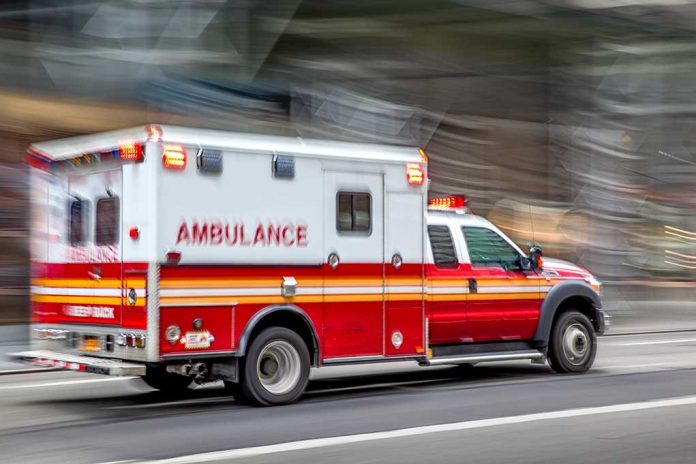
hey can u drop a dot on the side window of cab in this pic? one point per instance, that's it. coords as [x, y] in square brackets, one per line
[488, 249]
[442, 246]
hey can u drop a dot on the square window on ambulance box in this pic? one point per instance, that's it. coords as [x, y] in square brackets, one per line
[107, 221]
[353, 212]
[77, 226]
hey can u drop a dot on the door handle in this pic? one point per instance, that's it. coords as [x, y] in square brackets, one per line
[95, 274]
[289, 287]
[473, 286]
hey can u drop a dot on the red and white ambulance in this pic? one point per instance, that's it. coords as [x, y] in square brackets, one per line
[184, 255]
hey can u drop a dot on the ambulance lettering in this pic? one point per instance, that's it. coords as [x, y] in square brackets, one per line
[263, 234]
[97, 312]
[100, 254]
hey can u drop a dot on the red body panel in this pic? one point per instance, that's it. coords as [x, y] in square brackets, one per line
[353, 328]
[447, 312]
[404, 316]
[356, 309]
[505, 316]
[65, 293]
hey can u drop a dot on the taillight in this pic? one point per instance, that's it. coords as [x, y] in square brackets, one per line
[140, 341]
[174, 157]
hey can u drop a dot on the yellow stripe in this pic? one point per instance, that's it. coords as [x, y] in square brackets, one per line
[139, 283]
[446, 297]
[229, 300]
[504, 296]
[347, 298]
[508, 283]
[87, 283]
[275, 282]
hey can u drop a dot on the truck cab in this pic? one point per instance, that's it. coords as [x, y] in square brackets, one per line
[488, 297]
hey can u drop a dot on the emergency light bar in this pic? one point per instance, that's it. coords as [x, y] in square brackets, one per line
[457, 203]
[130, 152]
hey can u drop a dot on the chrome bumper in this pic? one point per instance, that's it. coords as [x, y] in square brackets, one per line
[47, 358]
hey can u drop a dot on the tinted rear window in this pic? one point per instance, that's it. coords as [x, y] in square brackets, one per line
[77, 226]
[107, 221]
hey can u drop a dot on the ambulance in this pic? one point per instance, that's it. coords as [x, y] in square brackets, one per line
[185, 256]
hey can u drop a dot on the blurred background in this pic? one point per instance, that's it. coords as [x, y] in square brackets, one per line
[567, 123]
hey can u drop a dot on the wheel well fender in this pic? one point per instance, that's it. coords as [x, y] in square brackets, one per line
[289, 316]
[574, 294]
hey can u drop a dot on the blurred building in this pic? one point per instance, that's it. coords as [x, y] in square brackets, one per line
[568, 123]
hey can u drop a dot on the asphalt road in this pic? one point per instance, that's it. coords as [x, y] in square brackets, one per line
[638, 405]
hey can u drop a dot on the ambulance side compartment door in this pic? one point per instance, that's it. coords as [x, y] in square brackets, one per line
[404, 272]
[353, 265]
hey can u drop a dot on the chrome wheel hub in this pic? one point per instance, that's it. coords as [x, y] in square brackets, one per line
[279, 367]
[576, 343]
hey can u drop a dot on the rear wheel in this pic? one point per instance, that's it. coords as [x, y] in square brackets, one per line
[276, 367]
[157, 377]
[573, 343]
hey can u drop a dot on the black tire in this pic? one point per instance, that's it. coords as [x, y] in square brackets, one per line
[275, 369]
[158, 378]
[235, 389]
[573, 344]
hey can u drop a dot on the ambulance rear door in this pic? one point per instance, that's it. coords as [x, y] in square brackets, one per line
[93, 247]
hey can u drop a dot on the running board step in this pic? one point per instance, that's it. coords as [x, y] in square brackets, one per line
[483, 357]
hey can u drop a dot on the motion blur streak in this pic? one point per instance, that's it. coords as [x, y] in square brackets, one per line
[566, 123]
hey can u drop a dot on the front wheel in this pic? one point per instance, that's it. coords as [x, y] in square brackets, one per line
[573, 344]
[276, 367]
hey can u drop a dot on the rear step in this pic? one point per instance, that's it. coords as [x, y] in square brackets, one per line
[482, 357]
[73, 362]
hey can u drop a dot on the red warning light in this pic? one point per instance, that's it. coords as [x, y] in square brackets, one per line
[174, 157]
[130, 152]
[452, 202]
[415, 174]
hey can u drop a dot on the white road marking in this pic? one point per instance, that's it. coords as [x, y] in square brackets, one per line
[637, 366]
[655, 342]
[21, 386]
[416, 431]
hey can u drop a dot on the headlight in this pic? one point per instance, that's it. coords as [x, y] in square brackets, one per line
[172, 334]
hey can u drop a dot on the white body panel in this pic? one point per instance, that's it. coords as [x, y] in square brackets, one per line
[243, 215]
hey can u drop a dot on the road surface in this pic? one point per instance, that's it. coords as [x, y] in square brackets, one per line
[638, 405]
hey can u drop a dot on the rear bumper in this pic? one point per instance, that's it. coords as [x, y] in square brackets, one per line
[79, 363]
